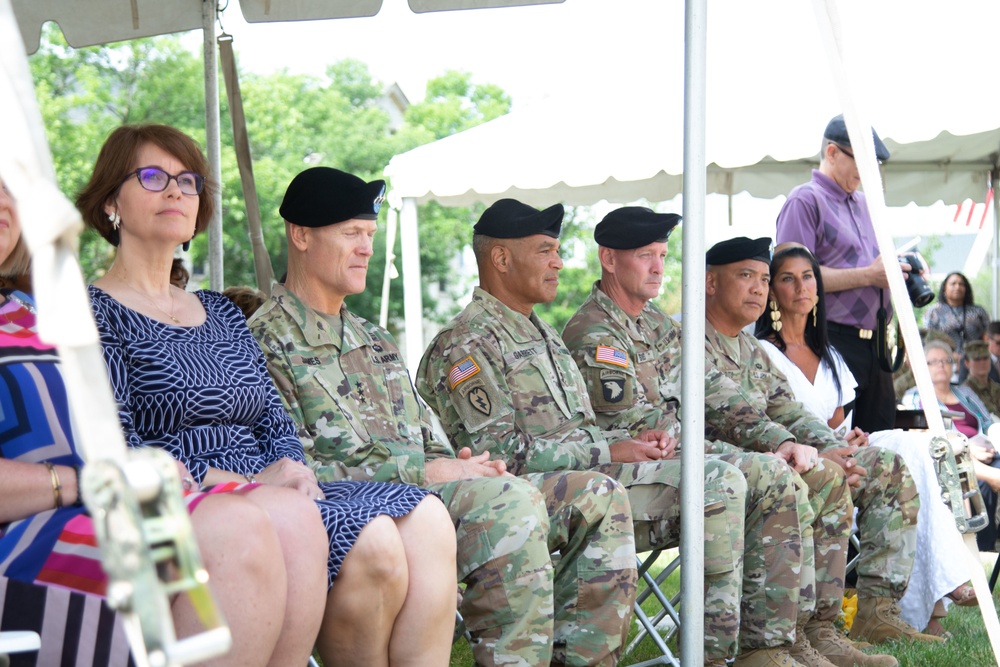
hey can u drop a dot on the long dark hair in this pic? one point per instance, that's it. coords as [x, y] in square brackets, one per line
[815, 335]
[968, 289]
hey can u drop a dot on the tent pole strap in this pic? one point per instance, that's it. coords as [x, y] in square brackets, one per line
[263, 271]
[213, 146]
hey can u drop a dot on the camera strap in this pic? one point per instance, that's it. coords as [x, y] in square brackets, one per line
[889, 362]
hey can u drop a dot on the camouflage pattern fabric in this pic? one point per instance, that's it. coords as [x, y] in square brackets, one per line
[505, 383]
[988, 392]
[344, 383]
[749, 403]
[645, 393]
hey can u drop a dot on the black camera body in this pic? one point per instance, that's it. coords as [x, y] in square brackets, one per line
[920, 294]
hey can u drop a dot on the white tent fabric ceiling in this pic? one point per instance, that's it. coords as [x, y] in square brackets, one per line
[90, 22]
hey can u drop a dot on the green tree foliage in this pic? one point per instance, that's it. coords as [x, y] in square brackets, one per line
[293, 122]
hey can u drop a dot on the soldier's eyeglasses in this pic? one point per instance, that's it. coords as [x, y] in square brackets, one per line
[939, 362]
[155, 179]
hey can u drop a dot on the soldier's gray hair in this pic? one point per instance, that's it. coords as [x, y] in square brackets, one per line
[481, 245]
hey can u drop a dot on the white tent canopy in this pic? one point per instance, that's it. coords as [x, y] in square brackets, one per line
[582, 151]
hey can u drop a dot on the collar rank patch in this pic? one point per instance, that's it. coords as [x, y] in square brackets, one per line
[611, 355]
[461, 372]
[480, 400]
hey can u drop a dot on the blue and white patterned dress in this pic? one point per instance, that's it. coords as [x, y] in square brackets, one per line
[203, 394]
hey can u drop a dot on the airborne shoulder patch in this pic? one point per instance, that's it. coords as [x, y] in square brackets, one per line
[606, 354]
[462, 371]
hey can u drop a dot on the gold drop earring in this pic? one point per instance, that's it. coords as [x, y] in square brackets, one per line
[775, 316]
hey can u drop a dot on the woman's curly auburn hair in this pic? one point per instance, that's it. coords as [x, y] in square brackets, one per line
[117, 158]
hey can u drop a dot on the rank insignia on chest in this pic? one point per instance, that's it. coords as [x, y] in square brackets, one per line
[480, 400]
[614, 389]
[611, 355]
[461, 372]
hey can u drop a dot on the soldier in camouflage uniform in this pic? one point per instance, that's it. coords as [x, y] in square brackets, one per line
[977, 361]
[345, 385]
[749, 404]
[503, 382]
[644, 392]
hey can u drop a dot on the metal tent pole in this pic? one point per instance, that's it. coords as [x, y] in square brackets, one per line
[213, 145]
[693, 337]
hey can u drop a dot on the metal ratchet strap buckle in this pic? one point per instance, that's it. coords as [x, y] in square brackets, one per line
[149, 553]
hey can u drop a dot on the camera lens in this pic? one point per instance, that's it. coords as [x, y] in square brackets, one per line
[916, 287]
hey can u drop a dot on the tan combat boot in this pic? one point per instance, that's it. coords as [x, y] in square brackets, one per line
[803, 652]
[840, 651]
[878, 621]
[776, 656]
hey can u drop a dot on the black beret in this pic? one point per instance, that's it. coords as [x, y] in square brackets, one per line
[634, 227]
[738, 249]
[510, 219]
[836, 131]
[322, 196]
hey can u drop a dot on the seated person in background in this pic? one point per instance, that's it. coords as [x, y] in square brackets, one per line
[179, 275]
[190, 378]
[47, 537]
[993, 338]
[521, 605]
[247, 299]
[793, 332]
[977, 362]
[974, 424]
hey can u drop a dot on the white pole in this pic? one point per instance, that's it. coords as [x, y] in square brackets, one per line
[693, 337]
[391, 224]
[213, 144]
[412, 298]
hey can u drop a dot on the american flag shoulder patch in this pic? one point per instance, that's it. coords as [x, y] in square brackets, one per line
[611, 355]
[461, 372]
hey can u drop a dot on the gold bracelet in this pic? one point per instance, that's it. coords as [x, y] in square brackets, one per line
[56, 486]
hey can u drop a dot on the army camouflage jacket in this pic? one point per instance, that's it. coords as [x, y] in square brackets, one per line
[505, 383]
[751, 405]
[988, 392]
[631, 366]
[348, 392]
[627, 363]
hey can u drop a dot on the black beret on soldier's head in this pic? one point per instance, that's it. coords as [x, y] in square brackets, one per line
[836, 131]
[634, 227]
[739, 249]
[510, 219]
[322, 196]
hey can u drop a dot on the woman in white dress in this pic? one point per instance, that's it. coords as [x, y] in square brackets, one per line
[793, 331]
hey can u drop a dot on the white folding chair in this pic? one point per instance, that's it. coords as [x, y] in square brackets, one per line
[665, 622]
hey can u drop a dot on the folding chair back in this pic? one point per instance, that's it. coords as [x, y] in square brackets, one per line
[665, 621]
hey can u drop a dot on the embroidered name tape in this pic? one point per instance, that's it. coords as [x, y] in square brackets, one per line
[462, 371]
[611, 355]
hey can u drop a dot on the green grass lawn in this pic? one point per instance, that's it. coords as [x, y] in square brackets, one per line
[970, 646]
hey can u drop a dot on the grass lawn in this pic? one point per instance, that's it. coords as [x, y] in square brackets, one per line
[970, 647]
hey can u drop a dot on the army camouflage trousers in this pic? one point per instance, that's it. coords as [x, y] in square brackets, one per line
[521, 606]
[826, 529]
[887, 503]
[777, 503]
[653, 490]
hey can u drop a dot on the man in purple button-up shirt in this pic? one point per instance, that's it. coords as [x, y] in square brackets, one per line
[830, 217]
